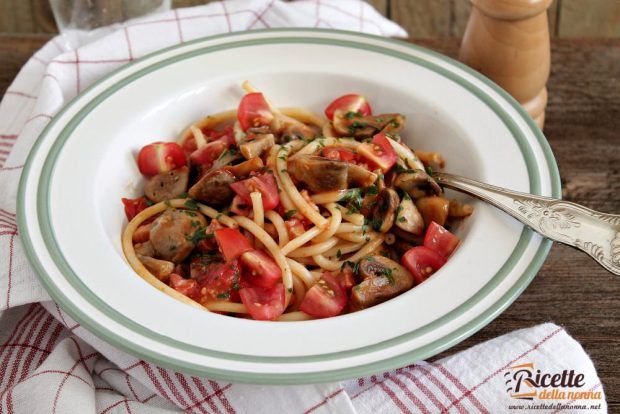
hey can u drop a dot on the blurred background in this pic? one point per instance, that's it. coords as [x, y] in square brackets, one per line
[421, 18]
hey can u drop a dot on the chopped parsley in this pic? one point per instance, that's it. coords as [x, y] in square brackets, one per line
[289, 214]
[388, 273]
[402, 219]
[149, 203]
[353, 200]
[338, 254]
[224, 295]
[372, 190]
[290, 290]
[191, 204]
[199, 235]
[351, 114]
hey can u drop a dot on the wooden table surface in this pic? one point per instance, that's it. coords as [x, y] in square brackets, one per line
[583, 128]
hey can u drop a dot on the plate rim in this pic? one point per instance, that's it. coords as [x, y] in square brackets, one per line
[419, 353]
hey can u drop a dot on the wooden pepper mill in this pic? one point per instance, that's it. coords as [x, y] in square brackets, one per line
[508, 41]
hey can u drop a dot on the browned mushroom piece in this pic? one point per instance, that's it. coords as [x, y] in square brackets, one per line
[417, 184]
[161, 269]
[172, 233]
[366, 126]
[359, 176]
[433, 208]
[414, 239]
[319, 174]
[382, 279]
[243, 169]
[408, 218]
[298, 130]
[257, 146]
[167, 185]
[214, 188]
[384, 211]
[144, 249]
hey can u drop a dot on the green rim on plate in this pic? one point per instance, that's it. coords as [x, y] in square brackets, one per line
[400, 360]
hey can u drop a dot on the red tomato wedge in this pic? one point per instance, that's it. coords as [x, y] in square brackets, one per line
[379, 152]
[216, 280]
[188, 287]
[232, 243]
[422, 262]
[348, 103]
[209, 153]
[325, 299]
[260, 269]
[133, 206]
[440, 240]
[254, 111]
[264, 304]
[338, 153]
[160, 157]
[265, 183]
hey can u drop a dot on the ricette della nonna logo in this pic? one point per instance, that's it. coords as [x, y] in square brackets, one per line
[526, 382]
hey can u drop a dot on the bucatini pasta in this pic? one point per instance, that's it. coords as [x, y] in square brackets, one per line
[281, 214]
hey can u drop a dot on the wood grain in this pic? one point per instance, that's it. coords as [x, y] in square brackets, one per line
[422, 19]
[592, 18]
[583, 120]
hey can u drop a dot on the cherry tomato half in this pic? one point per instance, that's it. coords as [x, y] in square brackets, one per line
[440, 240]
[379, 152]
[133, 206]
[422, 262]
[265, 183]
[160, 157]
[260, 269]
[325, 299]
[217, 280]
[232, 243]
[254, 111]
[264, 304]
[209, 153]
[188, 287]
[348, 103]
[338, 153]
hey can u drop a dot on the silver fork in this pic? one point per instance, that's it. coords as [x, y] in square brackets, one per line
[597, 234]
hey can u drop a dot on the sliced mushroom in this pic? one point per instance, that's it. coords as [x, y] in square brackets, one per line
[298, 130]
[243, 169]
[433, 208]
[161, 269]
[384, 210]
[365, 126]
[382, 279]
[408, 218]
[407, 237]
[417, 184]
[458, 210]
[172, 233]
[257, 146]
[359, 176]
[431, 159]
[214, 188]
[144, 249]
[167, 185]
[319, 174]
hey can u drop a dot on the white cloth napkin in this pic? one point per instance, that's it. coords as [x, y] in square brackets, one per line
[50, 363]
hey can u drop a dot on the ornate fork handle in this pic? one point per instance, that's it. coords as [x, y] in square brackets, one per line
[597, 234]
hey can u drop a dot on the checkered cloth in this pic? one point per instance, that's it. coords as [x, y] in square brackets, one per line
[48, 362]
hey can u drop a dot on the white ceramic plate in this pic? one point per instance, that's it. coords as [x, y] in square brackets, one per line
[71, 217]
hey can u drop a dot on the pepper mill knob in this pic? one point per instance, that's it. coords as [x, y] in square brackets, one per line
[508, 41]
